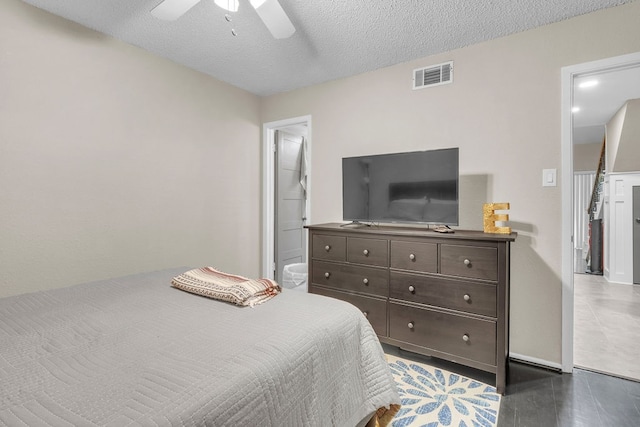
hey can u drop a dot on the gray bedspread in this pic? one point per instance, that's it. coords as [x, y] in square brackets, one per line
[135, 351]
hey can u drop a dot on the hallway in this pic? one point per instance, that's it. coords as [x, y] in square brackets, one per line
[606, 326]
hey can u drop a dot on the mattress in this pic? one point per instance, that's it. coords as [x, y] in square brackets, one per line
[136, 351]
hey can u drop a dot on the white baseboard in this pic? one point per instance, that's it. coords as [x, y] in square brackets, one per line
[535, 361]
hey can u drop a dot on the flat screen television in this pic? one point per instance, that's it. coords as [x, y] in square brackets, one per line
[411, 187]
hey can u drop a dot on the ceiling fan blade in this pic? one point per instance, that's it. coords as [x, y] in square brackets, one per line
[274, 17]
[170, 10]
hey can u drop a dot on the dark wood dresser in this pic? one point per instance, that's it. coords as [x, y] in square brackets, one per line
[443, 295]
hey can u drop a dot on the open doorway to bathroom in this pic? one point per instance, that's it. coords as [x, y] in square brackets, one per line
[286, 194]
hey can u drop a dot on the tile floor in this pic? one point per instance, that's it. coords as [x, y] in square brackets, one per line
[606, 326]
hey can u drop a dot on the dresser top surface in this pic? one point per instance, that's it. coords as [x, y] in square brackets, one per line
[415, 231]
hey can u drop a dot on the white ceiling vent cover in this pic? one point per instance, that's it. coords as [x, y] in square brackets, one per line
[434, 75]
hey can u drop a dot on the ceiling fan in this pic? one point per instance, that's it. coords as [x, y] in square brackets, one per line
[270, 11]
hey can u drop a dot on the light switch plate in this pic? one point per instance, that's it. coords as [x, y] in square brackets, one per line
[549, 177]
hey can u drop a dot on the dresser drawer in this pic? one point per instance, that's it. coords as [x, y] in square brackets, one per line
[453, 334]
[351, 277]
[469, 261]
[374, 309]
[329, 247]
[414, 256]
[368, 251]
[478, 298]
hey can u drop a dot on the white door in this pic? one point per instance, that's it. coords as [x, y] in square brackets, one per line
[290, 236]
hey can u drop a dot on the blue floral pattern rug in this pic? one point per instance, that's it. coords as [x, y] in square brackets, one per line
[433, 397]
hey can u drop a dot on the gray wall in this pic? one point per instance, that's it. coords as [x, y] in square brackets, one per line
[115, 161]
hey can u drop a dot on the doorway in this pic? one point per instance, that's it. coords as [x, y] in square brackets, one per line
[283, 230]
[569, 74]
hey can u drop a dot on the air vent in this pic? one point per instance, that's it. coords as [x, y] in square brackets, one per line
[435, 75]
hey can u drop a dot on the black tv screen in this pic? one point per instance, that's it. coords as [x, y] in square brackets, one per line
[412, 187]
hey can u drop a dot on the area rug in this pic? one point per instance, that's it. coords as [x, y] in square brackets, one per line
[433, 397]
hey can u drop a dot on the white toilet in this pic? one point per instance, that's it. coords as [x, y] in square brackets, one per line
[294, 276]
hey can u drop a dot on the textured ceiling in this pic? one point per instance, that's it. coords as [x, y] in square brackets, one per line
[334, 38]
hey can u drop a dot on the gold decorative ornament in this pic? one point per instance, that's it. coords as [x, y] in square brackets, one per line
[490, 217]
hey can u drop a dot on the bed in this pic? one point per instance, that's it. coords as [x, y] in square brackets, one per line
[136, 351]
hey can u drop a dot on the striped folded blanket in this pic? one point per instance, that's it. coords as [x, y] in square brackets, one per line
[211, 283]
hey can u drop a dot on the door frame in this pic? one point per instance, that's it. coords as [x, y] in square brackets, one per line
[568, 74]
[635, 276]
[268, 186]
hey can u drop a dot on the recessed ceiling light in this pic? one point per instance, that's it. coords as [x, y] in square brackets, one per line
[575, 109]
[588, 83]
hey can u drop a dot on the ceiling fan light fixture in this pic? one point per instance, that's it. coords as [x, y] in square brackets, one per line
[274, 17]
[229, 5]
[170, 10]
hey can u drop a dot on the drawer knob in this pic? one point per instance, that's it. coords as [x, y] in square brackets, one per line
[410, 325]
[412, 257]
[366, 252]
[412, 289]
[327, 248]
[465, 338]
[365, 281]
[327, 274]
[366, 313]
[466, 297]
[467, 262]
